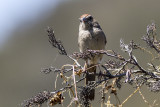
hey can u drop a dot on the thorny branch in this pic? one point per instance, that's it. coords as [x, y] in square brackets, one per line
[116, 71]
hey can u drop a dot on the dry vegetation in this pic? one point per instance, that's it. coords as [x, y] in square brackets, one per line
[111, 75]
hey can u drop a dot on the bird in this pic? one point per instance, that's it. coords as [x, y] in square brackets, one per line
[91, 36]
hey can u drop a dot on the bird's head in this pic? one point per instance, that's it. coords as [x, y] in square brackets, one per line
[86, 21]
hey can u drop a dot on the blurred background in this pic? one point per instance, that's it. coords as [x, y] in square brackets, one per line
[24, 46]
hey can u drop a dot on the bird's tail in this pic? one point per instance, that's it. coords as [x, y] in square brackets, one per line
[90, 79]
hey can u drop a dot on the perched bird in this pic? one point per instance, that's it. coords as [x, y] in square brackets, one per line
[91, 36]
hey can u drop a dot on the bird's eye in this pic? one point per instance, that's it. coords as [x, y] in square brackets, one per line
[90, 18]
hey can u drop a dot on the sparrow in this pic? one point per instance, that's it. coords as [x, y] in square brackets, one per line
[91, 36]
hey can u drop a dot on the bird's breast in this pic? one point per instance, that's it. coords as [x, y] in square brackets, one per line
[90, 40]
